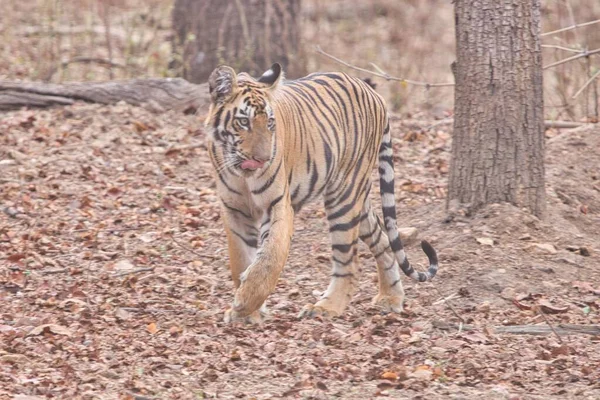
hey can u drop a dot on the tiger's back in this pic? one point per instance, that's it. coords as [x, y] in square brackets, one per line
[333, 125]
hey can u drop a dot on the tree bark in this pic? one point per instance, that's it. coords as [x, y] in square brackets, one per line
[156, 94]
[248, 35]
[498, 141]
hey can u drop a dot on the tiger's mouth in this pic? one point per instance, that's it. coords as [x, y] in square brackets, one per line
[252, 165]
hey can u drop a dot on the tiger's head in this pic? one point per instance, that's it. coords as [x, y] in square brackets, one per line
[241, 118]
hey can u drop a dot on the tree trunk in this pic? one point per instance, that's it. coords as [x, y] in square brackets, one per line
[248, 35]
[156, 94]
[498, 141]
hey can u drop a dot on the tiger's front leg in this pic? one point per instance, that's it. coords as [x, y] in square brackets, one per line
[242, 239]
[259, 280]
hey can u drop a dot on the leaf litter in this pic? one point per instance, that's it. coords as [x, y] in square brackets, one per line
[98, 191]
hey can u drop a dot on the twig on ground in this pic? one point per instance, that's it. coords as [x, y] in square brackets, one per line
[158, 310]
[55, 271]
[447, 302]
[111, 230]
[133, 271]
[568, 28]
[380, 73]
[453, 295]
[191, 250]
[586, 84]
[584, 53]
[447, 120]
[562, 329]
[543, 314]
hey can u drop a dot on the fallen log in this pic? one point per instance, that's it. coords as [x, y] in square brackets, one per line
[158, 95]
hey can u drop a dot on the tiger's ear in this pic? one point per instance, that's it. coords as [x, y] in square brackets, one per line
[222, 83]
[272, 76]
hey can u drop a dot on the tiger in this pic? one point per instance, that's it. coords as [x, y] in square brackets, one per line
[277, 145]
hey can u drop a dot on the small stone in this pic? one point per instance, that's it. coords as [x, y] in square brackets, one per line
[584, 251]
[546, 248]
[124, 265]
[270, 347]
[421, 374]
[527, 236]
[485, 241]
[508, 293]
[408, 234]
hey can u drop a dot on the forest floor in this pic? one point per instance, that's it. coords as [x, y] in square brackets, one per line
[114, 279]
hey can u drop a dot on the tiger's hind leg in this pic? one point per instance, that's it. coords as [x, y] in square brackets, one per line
[372, 233]
[344, 211]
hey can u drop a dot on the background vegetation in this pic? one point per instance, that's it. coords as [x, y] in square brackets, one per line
[56, 41]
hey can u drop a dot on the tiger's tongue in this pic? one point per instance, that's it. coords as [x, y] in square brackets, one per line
[252, 164]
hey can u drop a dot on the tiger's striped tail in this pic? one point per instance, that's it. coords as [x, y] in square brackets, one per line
[388, 202]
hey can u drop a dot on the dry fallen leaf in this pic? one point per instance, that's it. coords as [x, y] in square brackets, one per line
[52, 328]
[475, 337]
[549, 308]
[152, 328]
[122, 314]
[14, 359]
[389, 375]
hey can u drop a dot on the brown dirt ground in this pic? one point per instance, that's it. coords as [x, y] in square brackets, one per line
[92, 194]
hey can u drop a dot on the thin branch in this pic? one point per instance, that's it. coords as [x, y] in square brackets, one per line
[106, 21]
[543, 314]
[381, 73]
[562, 329]
[562, 124]
[446, 301]
[55, 271]
[597, 74]
[584, 53]
[191, 250]
[133, 271]
[570, 49]
[568, 28]
[93, 60]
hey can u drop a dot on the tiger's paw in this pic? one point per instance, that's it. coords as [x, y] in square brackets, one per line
[315, 310]
[389, 303]
[255, 318]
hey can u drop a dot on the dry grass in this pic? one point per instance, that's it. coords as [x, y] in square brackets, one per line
[46, 40]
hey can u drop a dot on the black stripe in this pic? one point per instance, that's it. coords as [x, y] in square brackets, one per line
[235, 210]
[395, 282]
[345, 226]
[273, 204]
[396, 244]
[376, 241]
[249, 242]
[344, 248]
[386, 187]
[342, 263]
[346, 275]
[368, 235]
[269, 181]
[382, 252]
[390, 266]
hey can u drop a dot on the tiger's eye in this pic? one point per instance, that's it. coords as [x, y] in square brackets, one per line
[243, 121]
